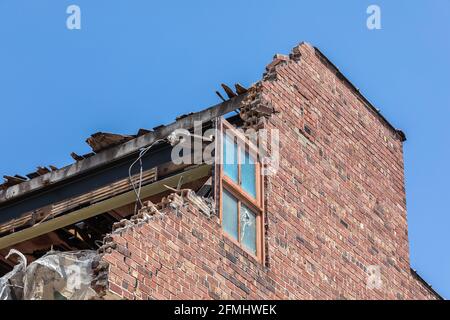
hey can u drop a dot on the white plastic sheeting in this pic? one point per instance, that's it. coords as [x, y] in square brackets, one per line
[11, 284]
[54, 276]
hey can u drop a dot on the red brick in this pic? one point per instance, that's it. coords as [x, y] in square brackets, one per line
[335, 207]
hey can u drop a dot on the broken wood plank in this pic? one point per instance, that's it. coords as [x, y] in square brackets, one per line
[42, 170]
[141, 132]
[88, 155]
[228, 91]
[102, 140]
[14, 179]
[240, 89]
[11, 181]
[32, 175]
[76, 157]
[220, 96]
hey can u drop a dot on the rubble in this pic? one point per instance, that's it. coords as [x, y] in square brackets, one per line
[255, 109]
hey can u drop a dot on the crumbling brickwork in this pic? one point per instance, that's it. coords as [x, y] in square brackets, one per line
[335, 207]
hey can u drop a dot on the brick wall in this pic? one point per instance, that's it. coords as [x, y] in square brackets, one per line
[335, 207]
[337, 204]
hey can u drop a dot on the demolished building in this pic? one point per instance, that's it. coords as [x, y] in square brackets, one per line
[328, 223]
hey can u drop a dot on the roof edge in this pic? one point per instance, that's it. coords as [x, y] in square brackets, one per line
[400, 134]
[416, 275]
[118, 152]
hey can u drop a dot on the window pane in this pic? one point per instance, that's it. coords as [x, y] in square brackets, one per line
[230, 167]
[248, 173]
[230, 214]
[248, 229]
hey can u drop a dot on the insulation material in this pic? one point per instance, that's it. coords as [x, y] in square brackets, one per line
[11, 284]
[60, 276]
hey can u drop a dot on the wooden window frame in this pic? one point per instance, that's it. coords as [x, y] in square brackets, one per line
[256, 205]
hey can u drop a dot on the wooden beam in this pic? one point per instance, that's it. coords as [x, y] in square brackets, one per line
[240, 89]
[103, 206]
[82, 200]
[114, 155]
[228, 91]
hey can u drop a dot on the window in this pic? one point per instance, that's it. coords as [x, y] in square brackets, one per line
[241, 209]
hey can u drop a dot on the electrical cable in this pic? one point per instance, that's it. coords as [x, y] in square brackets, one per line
[173, 139]
[137, 190]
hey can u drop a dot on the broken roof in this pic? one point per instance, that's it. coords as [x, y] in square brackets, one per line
[109, 147]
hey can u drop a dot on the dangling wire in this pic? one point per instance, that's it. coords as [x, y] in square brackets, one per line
[137, 190]
[173, 139]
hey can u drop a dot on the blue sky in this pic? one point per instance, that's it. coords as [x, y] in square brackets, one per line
[140, 63]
